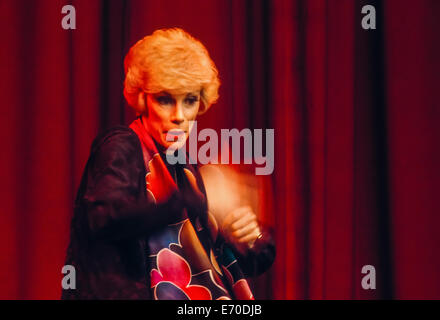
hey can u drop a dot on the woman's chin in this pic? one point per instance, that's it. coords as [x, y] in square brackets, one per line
[173, 146]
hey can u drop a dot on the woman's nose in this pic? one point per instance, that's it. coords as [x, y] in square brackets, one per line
[178, 117]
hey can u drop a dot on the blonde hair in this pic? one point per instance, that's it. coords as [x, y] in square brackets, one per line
[170, 60]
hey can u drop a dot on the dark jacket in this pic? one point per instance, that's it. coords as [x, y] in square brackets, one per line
[113, 217]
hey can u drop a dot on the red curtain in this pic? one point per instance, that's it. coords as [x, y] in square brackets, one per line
[354, 113]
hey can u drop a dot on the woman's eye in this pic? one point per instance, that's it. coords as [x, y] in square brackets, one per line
[191, 100]
[164, 100]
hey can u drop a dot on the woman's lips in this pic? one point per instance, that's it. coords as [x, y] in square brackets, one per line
[174, 134]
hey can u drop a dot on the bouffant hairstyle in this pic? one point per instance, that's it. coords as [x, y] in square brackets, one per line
[170, 60]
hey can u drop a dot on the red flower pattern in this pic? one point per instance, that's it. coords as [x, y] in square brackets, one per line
[171, 267]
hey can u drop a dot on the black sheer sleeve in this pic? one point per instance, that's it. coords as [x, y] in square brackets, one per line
[113, 198]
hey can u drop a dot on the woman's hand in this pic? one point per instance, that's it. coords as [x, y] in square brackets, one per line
[240, 227]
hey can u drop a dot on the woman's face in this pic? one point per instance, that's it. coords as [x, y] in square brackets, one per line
[168, 116]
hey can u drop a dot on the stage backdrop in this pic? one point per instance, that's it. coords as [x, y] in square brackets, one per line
[355, 113]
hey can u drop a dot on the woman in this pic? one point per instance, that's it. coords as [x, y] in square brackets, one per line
[141, 229]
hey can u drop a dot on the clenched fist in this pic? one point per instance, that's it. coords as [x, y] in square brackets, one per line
[240, 228]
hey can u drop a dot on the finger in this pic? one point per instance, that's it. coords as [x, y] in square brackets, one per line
[235, 215]
[247, 229]
[250, 237]
[248, 219]
[240, 212]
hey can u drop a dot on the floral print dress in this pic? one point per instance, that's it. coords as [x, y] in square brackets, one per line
[185, 259]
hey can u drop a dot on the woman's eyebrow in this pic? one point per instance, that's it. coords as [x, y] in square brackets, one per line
[163, 93]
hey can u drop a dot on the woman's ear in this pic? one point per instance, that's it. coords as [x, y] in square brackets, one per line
[142, 103]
